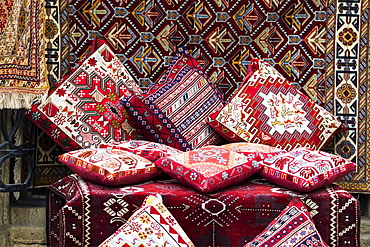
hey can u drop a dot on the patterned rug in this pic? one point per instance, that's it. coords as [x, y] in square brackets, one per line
[321, 46]
[81, 213]
[22, 63]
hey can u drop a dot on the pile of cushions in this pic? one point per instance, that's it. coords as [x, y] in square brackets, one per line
[115, 134]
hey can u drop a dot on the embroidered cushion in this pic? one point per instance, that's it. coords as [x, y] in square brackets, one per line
[147, 149]
[210, 168]
[269, 110]
[305, 169]
[151, 225]
[85, 109]
[294, 227]
[176, 113]
[109, 167]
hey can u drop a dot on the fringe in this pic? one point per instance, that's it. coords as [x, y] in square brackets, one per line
[19, 100]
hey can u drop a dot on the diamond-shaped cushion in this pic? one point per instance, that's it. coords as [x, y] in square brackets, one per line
[267, 109]
[85, 109]
[176, 112]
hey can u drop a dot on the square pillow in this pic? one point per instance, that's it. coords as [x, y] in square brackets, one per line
[109, 167]
[210, 168]
[267, 109]
[151, 225]
[85, 109]
[305, 169]
[147, 149]
[176, 112]
[294, 227]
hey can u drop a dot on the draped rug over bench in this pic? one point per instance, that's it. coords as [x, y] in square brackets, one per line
[321, 46]
[81, 213]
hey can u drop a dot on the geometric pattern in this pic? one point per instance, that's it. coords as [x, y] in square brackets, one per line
[293, 227]
[151, 224]
[81, 213]
[84, 110]
[320, 46]
[22, 56]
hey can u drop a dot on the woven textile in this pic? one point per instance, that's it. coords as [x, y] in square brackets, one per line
[152, 224]
[22, 53]
[305, 169]
[84, 110]
[293, 227]
[210, 168]
[268, 109]
[109, 167]
[176, 111]
[321, 46]
[83, 213]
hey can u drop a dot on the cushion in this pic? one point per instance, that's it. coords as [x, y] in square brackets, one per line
[151, 225]
[85, 109]
[176, 112]
[147, 149]
[109, 167]
[210, 168]
[267, 109]
[305, 169]
[294, 227]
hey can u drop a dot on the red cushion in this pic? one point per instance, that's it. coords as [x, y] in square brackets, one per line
[269, 110]
[109, 167]
[305, 169]
[176, 112]
[85, 109]
[210, 168]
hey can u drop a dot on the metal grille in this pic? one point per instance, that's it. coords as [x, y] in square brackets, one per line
[17, 151]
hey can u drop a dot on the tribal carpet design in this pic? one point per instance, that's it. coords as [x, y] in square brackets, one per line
[321, 46]
[81, 213]
[22, 65]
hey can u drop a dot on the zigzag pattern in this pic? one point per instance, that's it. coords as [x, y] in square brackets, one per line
[305, 40]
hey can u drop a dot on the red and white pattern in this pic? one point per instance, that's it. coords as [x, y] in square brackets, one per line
[85, 109]
[293, 227]
[210, 168]
[82, 213]
[269, 110]
[151, 225]
[109, 167]
[305, 169]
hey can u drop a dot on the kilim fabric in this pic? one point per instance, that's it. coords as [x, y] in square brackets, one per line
[267, 109]
[320, 46]
[210, 168]
[80, 213]
[293, 227]
[22, 53]
[305, 169]
[151, 225]
[85, 109]
[109, 167]
[176, 111]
